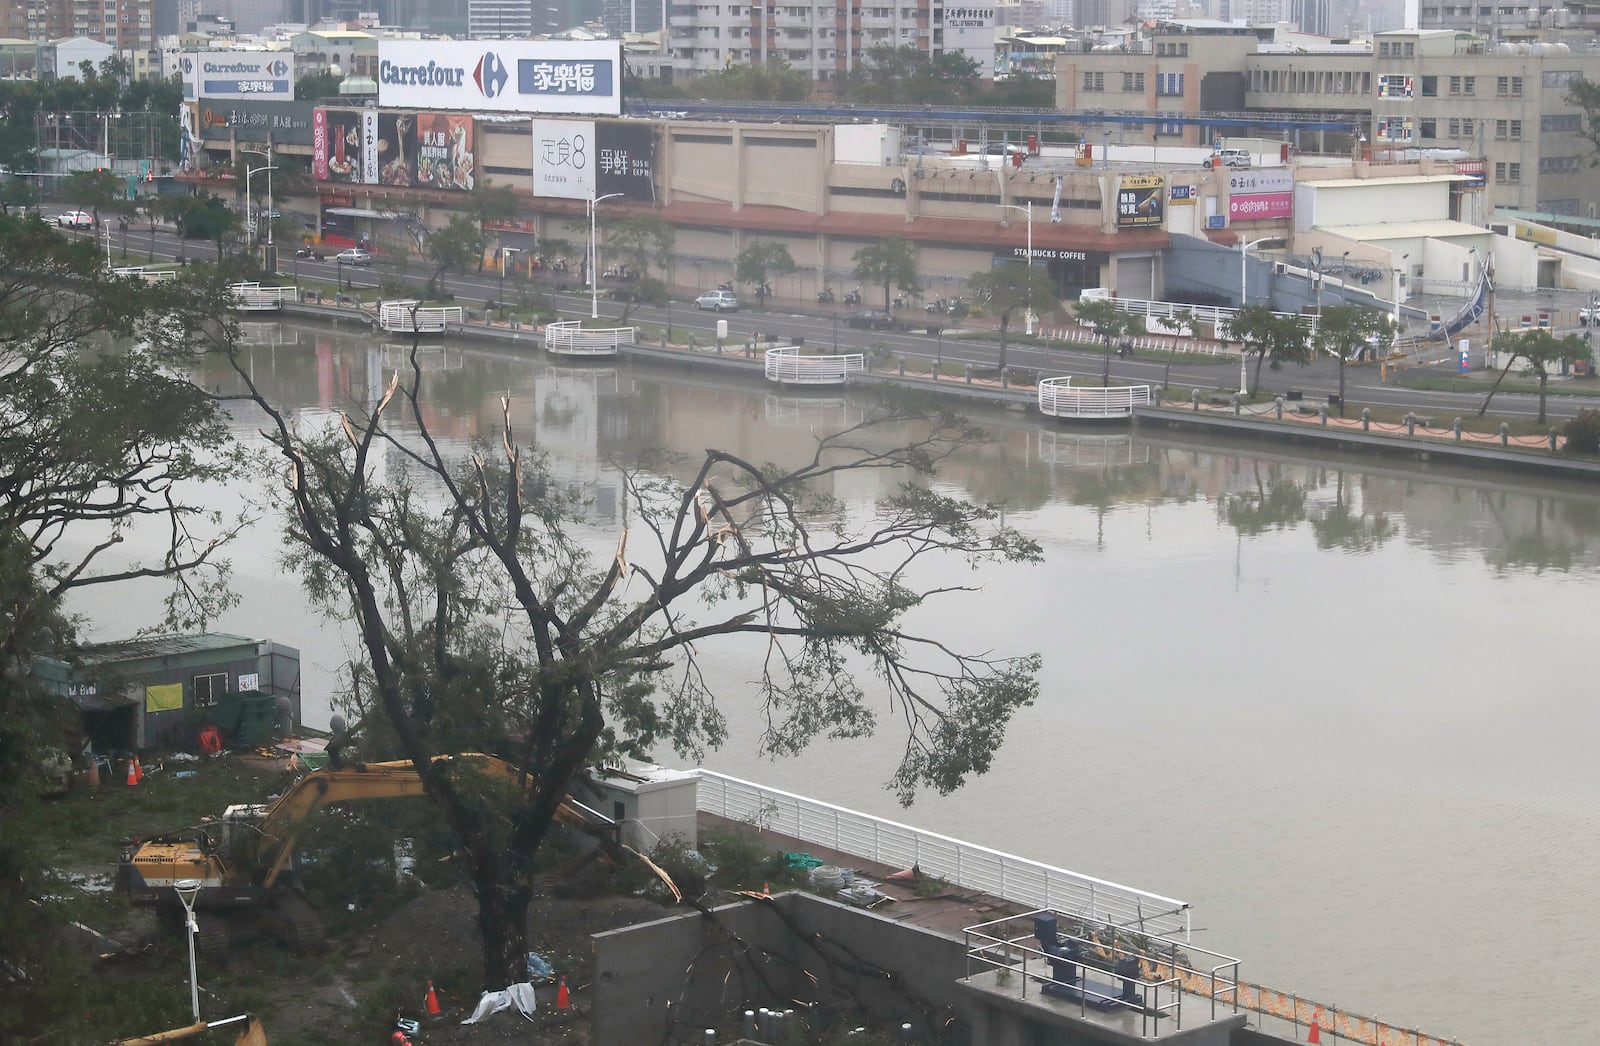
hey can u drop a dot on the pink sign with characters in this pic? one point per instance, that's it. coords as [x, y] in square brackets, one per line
[1245, 207]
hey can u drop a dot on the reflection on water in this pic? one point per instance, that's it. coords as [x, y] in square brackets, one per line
[1338, 704]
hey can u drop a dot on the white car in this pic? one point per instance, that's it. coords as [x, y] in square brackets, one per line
[718, 301]
[1228, 158]
[75, 220]
[354, 256]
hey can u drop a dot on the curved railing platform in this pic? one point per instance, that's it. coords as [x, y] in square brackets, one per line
[787, 366]
[572, 338]
[408, 317]
[252, 297]
[1059, 399]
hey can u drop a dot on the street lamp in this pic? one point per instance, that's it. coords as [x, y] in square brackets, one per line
[106, 119]
[187, 890]
[267, 152]
[1028, 210]
[594, 255]
[1244, 299]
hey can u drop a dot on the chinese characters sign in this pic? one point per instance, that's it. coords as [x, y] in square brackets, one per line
[1141, 200]
[1260, 193]
[579, 159]
[627, 160]
[506, 76]
[344, 145]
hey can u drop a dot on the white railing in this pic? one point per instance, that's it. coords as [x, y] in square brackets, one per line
[252, 297]
[572, 338]
[139, 272]
[1169, 310]
[786, 365]
[411, 317]
[1058, 399]
[972, 867]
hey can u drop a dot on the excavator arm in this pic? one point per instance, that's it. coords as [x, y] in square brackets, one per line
[286, 820]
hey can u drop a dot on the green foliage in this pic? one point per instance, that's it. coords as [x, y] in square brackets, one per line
[1011, 288]
[907, 75]
[759, 263]
[455, 247]
[1270, 338]
[1585, 94]
[313, 86]
[774, 81]
[889, 263]
[1583, 433]
[1542, 352]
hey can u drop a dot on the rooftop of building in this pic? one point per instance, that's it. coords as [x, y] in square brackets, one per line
[164, 646]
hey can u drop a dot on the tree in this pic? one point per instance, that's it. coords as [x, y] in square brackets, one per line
[774, 80]
[640, 243]
[1585, 94]
[1270, 338]
[492, 204]
[891, 262]
[94, 191]
[17, 192]
[452, 247]
[906, 75]
[759, 263]
[1541, 351]
[484, 623]
[1344, 330]
[317, 85]
[1110, 325]
[1012, 286]
[92, 444]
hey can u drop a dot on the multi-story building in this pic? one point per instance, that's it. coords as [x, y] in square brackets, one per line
[825, 38]
[1411, 90]
[34, 19]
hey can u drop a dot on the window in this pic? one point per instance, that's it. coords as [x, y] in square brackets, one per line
[1500, 129]
[1469, 85]
[1454, 130]
[1516, 130]
[1455, 85]
[1513, 172]
[1383, 49]
[209, 689]
[1133, 82]
[1169, 84]
[1559, 165]
[1094, 81]
[1499, 172]
[1411, 50]
[1430, 87]
[1560, 122]
[1502, 85]
[1429, 128]
[1516, 86]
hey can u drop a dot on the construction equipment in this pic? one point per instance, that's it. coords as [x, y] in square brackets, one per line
[240, 860]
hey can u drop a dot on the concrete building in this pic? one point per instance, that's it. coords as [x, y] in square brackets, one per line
[319, 50]
[71, 53]
[822, 37]
[1413, 90]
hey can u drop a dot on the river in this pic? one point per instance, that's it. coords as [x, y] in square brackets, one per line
[1334, 703]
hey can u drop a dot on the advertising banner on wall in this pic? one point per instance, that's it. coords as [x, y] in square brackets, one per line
[502, 76]
[287, 122]
[344, 145]
[445, 151]
[1141, 200]
[222, 75]
[627, 160]
[564, 159]
[1262, 193]
[970, 30]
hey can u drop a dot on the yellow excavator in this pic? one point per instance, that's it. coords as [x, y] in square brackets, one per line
[240, 860]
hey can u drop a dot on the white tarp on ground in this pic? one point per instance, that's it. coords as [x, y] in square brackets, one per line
[489, 1003]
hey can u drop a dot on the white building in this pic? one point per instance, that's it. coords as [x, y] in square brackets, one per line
[73, 51]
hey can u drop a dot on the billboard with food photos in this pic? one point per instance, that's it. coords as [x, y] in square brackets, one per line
[397, 149]
[344, 145]
[445, 152]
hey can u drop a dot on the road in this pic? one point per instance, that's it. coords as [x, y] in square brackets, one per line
[953, 350]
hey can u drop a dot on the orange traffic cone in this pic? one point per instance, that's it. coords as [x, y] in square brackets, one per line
[133, 774]
[431, 1003]
[766, 889]
[1314, 1033]
[138, 771]
[563, 997]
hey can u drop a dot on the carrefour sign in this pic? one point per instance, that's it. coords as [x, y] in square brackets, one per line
[502, 76]
[235, 75]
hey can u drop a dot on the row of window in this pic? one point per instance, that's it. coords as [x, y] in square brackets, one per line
[1167, 84]
[1300, 81]
[1560, 164]
[1463, 11]
[706, 12]
[1508, 172]
[1172, 50]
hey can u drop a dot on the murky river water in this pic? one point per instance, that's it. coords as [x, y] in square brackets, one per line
[1338, 705]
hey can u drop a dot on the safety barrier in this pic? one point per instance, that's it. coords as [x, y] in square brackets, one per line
[1058, 399]
[572, 338]
[409, 316]
[252, 297]
[1171, 310]
[1006, 876]
[786, 365]
[147, 275]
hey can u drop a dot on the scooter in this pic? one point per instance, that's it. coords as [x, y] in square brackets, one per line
[309, 252]
[899, 301]
[725, 286]
[853, 297]
[825, 296]
[936, 305]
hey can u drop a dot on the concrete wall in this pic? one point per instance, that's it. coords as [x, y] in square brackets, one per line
[682, 973]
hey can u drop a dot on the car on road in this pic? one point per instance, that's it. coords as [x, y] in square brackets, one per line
[872, 320]
[1004, 149]
[1589, 315]
[1228, 158]
[75, 220]
[353, 256]
[718, 301]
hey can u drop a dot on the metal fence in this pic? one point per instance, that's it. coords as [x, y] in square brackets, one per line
[1006, 876]
[1059, 399]
[410, 317]
[785, 364]
[572, 338]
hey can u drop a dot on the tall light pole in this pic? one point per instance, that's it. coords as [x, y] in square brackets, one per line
[594, 255]
[1028, 210]
[267, 152]
[187, 890]
[1244, 299]
[506, 254]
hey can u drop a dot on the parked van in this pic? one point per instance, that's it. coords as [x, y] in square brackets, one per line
[1228, 158]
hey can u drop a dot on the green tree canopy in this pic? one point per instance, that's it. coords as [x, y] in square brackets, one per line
[889, 263]
[1010, 288]
[1343, 331]
[908, 75]
[774, 81]
[455, 247]
[1542, 351]
[1270, 338]
[761, 262]
[1110, 325]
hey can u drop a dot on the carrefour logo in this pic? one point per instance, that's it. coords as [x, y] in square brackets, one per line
[278, 68]
[490, 74]
[188, 66]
